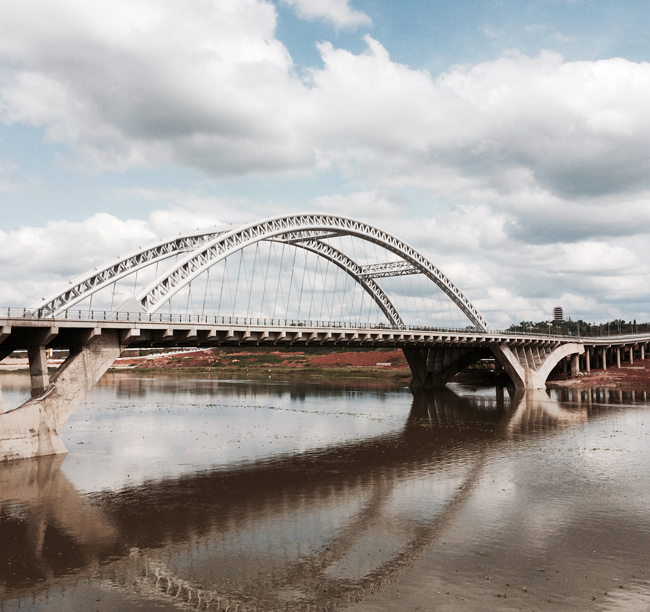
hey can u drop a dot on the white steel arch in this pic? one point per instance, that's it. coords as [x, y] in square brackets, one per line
[298, 227]
[204, 248]
[341, 260]
[115, 269]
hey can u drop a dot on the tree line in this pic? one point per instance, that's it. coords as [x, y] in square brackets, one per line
[579, 327]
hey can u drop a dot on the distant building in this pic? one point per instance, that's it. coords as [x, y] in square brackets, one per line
[558, 314]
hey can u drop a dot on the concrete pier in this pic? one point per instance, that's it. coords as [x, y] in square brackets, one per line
[38, 369]
[32, 430]
[575, 365]
[531, 371]
[433, 368]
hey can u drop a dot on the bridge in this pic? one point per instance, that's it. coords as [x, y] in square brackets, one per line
[326, 265]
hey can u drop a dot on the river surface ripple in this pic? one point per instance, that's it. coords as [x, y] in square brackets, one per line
[205, 494]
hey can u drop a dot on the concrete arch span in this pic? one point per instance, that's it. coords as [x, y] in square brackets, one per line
[528, 365]
[202, 249]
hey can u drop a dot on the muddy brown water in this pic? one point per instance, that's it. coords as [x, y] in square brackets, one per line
[190, 493]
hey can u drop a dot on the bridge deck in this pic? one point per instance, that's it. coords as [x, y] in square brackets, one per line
[143, 330]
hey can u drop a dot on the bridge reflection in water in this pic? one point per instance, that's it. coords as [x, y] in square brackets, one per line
[316, 530]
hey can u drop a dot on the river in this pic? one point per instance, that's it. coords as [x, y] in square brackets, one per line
[195, 493]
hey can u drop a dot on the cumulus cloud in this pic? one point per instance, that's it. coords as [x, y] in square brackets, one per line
[144, 82]
[37, 260]
[337, 12]
[209, 86]
[538, 168]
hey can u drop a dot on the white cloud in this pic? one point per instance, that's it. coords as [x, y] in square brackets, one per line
[534, 171]
[360, 204]
[35, 261]
[139, 83]
[337, 12]
[123, 85]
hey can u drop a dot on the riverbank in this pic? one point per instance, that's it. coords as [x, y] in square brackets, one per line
[636, 376]
[385, 364]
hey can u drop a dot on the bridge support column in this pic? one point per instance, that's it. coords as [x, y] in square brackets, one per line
[38, 369]
[631, 354]
[618, 356]
[604, 358]
[32, 430]
[417, 360]
[526, 374]
[642, 352]
[433, 368]
[575, 365]
[588, 360]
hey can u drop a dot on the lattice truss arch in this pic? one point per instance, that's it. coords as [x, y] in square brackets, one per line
[202, 249]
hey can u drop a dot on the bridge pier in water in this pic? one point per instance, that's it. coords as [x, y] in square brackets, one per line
[32, 429]
[433, 368]
[527, 363]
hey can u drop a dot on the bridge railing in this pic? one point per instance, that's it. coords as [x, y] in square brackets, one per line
[143, 317]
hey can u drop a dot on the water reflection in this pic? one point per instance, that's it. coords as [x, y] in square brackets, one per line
[311, 530]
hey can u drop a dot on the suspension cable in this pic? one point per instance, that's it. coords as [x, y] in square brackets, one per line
[279, 285]
[293, 267]
[302, 286]
[189, 297]
[313, 287]
[250, 291]
[241, 257]
[322, 302]
[336, 280]
[223, 282]
[266, 274]
[205, 294]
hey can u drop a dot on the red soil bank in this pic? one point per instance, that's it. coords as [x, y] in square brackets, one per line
[636, 376]
[297, 359]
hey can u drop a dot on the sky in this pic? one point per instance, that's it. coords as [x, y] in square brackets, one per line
[508, 141]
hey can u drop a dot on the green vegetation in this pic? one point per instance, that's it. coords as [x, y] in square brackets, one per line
[581, 328]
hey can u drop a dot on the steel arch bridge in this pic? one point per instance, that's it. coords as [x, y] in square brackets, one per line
[435, 354]
[196, 252]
